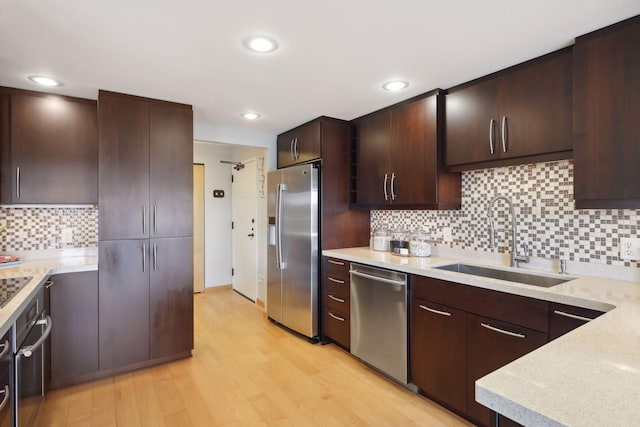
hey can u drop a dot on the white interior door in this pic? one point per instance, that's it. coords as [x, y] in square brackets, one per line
[244, 211]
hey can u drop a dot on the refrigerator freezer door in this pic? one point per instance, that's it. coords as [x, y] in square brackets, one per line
[274, 274]
[300, 249]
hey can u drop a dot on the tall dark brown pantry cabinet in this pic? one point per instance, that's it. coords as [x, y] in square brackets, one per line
[146, 231]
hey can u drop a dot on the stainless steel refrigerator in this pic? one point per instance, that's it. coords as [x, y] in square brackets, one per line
[292, 248]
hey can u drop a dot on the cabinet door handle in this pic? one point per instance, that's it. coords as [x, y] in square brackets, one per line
[432, 310]
[336, 280]
[572, 316]
[155, 257]
[502, 331]
[330, 261]
[491, 126]
[386, 178]
[393, 186]
[293, 157]
[155, 219]
[144, 258]
[5, 349]
[5, 399]
[18, 182]
[504, 134]
[49, 283]
[295, 150]
[144, 219]
[336, 317]
[336, 298]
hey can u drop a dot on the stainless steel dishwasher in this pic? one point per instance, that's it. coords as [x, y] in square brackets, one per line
[379, 319]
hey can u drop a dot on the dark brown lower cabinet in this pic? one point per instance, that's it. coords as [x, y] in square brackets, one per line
[73, 306]
[491, 345]
[146, 301]
[171, 296]
[124, 303]
[439, 352]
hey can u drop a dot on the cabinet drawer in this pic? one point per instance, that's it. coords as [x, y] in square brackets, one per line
[565, 318]
[516, 309]
[337, 268]
[336, 285]
[335, 301]
[337, 326]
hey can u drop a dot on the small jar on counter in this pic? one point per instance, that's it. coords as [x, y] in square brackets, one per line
[399, 243]
[380, 239]
[420, 243]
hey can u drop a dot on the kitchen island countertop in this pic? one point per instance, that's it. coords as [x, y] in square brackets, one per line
[39, 270]
[587, 377]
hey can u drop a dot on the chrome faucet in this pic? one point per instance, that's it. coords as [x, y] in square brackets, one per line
[515, 257]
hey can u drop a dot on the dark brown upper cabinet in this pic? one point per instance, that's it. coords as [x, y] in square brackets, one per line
[300, 145]
[606, 121]
[146, 153]
[520, 115]
[399, 157]
[49, 148]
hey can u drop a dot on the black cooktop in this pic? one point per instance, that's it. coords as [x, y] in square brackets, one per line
[10, 287]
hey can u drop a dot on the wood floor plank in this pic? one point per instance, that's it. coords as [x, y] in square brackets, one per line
[245, 371]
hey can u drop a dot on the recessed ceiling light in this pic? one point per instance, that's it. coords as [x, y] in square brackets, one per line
[250, 116]
[395, 85]
[45, 81]
[260, 44]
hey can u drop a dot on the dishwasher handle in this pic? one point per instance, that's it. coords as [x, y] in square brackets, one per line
[378, 278]
[28, 350]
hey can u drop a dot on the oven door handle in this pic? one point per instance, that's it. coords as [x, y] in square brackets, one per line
[27, 351]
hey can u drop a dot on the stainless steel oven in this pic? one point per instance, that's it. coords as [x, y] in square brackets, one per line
[32, 330]
[6, 379]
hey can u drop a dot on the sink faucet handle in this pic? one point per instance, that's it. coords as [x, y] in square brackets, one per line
[525, 248]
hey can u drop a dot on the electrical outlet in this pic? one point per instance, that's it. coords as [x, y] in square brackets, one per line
[630, 249]
[447, 235]
[67, 235]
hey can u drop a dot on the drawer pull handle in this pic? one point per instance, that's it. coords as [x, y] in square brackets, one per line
[336, 317]
[336, 298]
[572, 316]
[5, 399]
[335, 262]
[442, 313]
[502, 331]
[5, 349]
[336, 280]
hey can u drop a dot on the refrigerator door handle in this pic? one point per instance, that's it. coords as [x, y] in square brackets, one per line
[282, 264]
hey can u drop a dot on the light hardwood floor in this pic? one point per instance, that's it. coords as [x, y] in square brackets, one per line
[245, 371]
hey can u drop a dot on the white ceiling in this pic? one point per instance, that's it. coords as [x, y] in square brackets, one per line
[333, 56]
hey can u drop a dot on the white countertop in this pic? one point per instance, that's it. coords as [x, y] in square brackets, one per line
[588, 377]
[40, 269]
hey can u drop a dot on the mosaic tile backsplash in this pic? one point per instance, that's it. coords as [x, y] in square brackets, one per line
[542, 195]
[30, 229]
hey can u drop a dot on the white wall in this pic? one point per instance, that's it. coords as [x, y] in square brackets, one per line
[217, 223]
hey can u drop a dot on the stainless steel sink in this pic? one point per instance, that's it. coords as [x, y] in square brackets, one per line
[511, 276]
